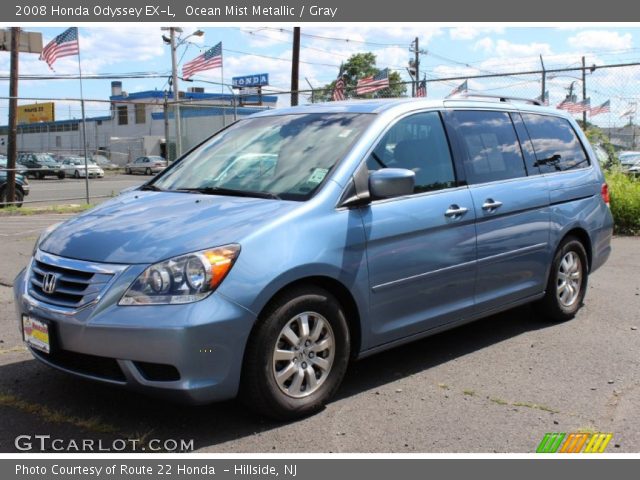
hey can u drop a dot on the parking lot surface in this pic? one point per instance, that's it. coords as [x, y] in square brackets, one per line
[52, 191]
[497, 385]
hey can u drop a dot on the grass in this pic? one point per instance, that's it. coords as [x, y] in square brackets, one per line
[625, 202]
[470, 393]
[535, 406]
[26, 210]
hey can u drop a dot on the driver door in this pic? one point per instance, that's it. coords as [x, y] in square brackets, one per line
[421, 248]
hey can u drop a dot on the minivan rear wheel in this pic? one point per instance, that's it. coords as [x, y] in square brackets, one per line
[567, 283]
[296, 356]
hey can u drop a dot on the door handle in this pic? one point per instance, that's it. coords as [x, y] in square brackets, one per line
[455, 211]
[490, 204]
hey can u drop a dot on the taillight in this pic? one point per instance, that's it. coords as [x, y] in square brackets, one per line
[604, 192]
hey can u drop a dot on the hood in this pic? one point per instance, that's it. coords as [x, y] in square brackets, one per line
[146, 227]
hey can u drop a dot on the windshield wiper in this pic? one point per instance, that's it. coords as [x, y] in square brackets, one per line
[229, 191]
[151, 187]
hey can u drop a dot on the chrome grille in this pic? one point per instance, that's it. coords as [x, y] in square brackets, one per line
[76, 283]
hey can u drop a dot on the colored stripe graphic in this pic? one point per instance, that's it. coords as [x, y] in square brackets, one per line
[550, 442]
[574, 443]
[598, 443]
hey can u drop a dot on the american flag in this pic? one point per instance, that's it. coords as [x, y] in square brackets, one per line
[630, 111]
[338, 89]
[421, 91]
[604, 108]
[463, 87]
[212, 58]
[64, 45]
[572, 106]
[373, 83]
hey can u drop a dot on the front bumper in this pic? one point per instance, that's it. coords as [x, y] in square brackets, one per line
[133, 346]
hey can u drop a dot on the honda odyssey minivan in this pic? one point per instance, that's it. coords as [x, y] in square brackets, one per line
[297, 240]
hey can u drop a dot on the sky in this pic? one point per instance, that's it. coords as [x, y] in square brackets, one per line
[446, 52]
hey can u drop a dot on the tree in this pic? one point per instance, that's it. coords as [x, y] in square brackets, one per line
[359, 66]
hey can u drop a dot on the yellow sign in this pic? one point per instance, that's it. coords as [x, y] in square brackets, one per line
[36, 112]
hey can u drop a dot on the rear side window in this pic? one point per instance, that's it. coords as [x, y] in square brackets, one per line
[557, 147]
[493, 150]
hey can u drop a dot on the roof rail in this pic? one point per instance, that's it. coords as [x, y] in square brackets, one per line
[501, 98]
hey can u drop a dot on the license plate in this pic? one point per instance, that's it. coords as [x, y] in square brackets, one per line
[36, 333]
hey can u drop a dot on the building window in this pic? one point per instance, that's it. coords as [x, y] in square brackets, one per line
[140, 113]
[123, 115]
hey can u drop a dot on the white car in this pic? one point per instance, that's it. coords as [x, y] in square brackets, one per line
[74, 166]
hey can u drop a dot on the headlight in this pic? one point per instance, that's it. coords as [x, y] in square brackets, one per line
[184, 279]
[45, 233]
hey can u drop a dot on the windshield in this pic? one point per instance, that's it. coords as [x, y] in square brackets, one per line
[44, 158]
[287, 156]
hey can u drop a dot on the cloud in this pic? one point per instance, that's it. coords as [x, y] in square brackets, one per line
[470, 32]
[485, 44]
[504, 48]
[601, 40]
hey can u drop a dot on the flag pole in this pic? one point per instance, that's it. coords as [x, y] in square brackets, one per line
[84, 127]
[224, 110]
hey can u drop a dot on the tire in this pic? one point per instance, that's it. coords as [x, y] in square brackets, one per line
[40, 175]
[19, 197]
[147, 171]
[569, 272]
[127, 171]
[76, 174]
[294, 396]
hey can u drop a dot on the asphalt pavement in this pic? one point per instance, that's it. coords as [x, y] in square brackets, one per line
[53, 191]
[497, 385]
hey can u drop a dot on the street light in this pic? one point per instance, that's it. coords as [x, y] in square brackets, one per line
[171, 41]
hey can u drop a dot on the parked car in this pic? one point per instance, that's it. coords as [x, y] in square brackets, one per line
[375, 224]
[21, 169]
[22, 189]
[634, 169]
[628, 160]
[103, 162]
[40, 165]
[146, 165]
[74, 167]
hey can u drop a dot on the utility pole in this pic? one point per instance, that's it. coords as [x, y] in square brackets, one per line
[543, 97]
[165, 108]
[584, 93]
[13, 116]
[176, 91]
[417, 65]
[295, 66]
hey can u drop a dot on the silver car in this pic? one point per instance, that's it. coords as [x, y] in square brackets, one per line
[146, 165]
[74, 166]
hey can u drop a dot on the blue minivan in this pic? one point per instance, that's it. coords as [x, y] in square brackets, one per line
[297, 240]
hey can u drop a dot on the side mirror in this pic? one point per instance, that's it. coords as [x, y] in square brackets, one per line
[391, 182]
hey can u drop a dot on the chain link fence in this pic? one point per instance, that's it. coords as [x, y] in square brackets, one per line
[118, 133]
[607, 96]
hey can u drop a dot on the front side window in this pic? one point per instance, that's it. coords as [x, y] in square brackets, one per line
[556, 144]
[285, 156]
[417, 143]
[491, 144]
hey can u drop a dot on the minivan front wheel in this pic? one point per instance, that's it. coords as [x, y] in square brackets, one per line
[567, 283]
[297, 355]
